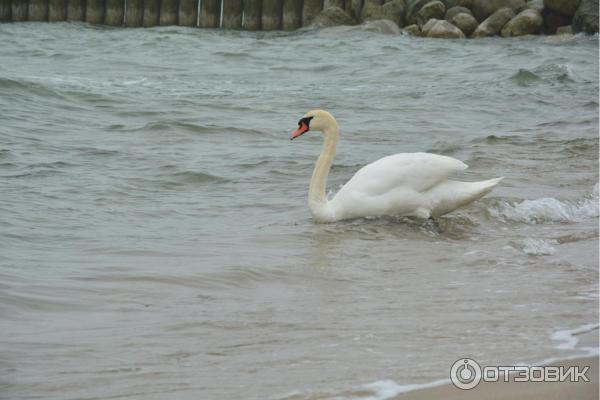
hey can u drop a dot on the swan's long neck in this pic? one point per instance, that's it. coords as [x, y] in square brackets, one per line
[317, 196]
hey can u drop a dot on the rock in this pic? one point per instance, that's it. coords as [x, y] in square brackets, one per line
[564, 7]
[484, 8]
[412, 8]
[425, 28]
[464, 3]
[394, 11]
[332, 16]
[564, 30]
[527, 22]
[449, 3]
[586, 17]
[370, 10]
[435, 9]
[537, 5]
[413, 30]
[494, 23]
[454, 11]
[380, 26]
[553, 20]
[442, 29]
[465, 22]
[333, 3]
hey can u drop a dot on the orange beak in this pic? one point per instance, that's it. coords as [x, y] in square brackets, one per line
[302, 129]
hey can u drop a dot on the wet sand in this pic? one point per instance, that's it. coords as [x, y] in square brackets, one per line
[520, 390]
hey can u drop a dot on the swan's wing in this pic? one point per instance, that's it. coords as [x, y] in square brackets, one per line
[411, 171]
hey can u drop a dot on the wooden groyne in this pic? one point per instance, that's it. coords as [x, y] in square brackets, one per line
[235, 14]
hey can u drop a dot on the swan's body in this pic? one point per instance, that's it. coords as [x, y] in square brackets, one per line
[405, 184]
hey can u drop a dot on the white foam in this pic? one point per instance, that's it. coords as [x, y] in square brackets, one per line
[387, 389]
[549, 209]
[568, 337]
[538, 247]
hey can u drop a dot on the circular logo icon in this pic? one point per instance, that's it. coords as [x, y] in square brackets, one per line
[465, 373]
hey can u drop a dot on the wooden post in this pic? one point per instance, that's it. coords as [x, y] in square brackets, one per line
[5, 11]
[134, 12]
[151, 10]
[94, 11]
[232, 13]
[114, 12]
[310, 10]
[252, 14]
[38, 10]
[271, 14]
[19, 10]
[210, 13]
[292, 14]
[169, 12]
[57, 10]
[188, 12]
[76, 10]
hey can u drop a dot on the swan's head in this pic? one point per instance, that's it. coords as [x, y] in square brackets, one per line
[316, 120]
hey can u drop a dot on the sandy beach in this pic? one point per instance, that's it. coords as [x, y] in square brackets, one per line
[520, 390]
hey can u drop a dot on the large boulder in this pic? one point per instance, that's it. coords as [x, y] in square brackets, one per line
[449, 3]
[332, 16]
[394, 11]
[435, 9]
[586, 17]
[454, 11]
[425, 28]
[527, 22]
[484, 8]
[564, 30]
[413, 30]
[442, 29]
[371, 10]
[553, 20]
[494, 23]
[537, 5]
[333, 3]
[465, 22]
[380, 26]
[412, 8]
[464, 3]
[564, 7]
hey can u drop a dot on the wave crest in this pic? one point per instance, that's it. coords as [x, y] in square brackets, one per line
[548, 209]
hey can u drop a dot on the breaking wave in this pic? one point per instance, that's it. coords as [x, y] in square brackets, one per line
[548, 209]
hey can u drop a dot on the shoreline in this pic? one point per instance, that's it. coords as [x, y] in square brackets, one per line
[518, 390]
[584, 338]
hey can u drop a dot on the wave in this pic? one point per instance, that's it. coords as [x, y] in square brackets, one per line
[537, 247]
[568, 337]
[387, 389]
[193, 128]
[198, 177]
[548, 209]
[546, 73]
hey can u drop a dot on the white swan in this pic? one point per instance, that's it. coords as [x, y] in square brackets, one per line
[405, 184]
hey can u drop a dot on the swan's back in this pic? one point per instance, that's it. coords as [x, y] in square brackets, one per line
[412, 171]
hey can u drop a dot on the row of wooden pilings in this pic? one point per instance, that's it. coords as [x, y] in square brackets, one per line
[235, 14]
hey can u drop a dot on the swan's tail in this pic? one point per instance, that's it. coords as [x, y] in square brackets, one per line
[451, 195]
[487, 186]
